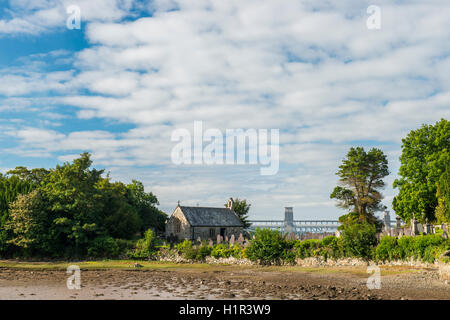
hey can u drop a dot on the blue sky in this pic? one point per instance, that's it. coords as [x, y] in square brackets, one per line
[138, 70]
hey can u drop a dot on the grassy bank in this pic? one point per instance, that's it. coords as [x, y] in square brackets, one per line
[198, 267]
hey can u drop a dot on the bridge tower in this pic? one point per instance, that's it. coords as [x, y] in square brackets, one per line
[289, 220]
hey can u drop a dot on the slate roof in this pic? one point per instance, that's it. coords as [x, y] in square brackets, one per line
[211, 217]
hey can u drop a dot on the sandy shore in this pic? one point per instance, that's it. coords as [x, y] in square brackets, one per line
[228, 282]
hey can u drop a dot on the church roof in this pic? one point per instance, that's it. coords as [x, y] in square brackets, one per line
[211, 217]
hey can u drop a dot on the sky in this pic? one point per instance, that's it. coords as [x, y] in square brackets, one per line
[136, 71]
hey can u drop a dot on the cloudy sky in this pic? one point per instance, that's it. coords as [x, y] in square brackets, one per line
[137, 70]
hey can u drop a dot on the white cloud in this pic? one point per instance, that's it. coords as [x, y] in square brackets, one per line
[36, 17]
[310, 68]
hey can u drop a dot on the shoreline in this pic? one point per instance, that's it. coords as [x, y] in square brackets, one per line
[172, 281]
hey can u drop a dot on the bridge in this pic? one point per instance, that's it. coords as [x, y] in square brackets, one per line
[300, 227]
[296, 226]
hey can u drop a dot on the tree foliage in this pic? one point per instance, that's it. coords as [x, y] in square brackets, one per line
[425, 157]
[361, 179]
[71, 211]
[145, 203]
[241, 207]
[443, 196]
[10, 188]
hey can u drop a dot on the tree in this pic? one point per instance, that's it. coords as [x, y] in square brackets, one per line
[10, 188]
[443, 197]
[28, 222]
[425, 156]
[361, 178]
[241, 207]
[119, 216]
[34, 175]
[145, 203]
[74, 203]
[71, 211]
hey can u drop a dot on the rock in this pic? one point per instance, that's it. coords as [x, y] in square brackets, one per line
[444, 271]
[445, 254]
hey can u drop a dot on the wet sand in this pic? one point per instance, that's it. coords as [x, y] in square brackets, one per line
[228, 283]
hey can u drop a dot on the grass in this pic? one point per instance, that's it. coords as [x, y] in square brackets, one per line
[195, 267]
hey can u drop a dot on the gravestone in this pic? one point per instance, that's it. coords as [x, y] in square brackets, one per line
[398, 224]
[241, 239]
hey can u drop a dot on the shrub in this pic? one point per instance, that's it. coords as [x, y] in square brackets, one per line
[196, 252]
[423, 245]
[425, 248]
[104, 247]
[306, 248]
[405, 248]
[359, 240]
[125, 245]
[226, 251]
[267, 247]
[145, 248]
[184, 246]
[331, 248]
[387, 249]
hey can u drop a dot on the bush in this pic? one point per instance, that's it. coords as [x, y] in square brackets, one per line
[145, 248]
[359, 240]
[422, 246]
[426, 248]
[184, 246]
[226, 251]
[306, 248]
[125, 245]
[387, 249]
[103, 247]
[198, 253]
[267, 247]
[331, 248]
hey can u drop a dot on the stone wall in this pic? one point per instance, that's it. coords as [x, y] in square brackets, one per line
[185, 227]
[204, 232]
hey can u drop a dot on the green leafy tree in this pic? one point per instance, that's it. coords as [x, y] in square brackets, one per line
[241, 207]
[74, 204]
[10, 188]
[361, 179]
[145, 204]
[425, 155]
[119, 218]
[72, 211]
[443, 196]
[34, 175]
[28, 223]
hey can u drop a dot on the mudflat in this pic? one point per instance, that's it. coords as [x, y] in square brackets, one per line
[159, 281]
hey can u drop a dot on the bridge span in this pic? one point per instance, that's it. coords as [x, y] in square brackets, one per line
[299, 227]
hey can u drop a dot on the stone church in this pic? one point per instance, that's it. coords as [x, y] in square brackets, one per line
[203, 222]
